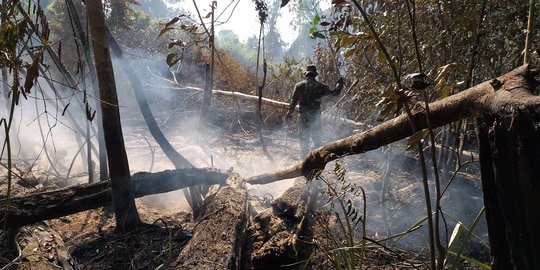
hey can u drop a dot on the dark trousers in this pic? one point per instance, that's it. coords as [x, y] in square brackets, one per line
[309, 127]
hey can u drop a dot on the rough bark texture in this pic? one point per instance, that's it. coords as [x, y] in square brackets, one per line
[279, 231]
[219, 237]
[509, 153]
[41, 248]
[36, 207]
[510, 89]
[127, 218]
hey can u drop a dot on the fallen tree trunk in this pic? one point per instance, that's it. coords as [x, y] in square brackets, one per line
[218, 239]
[279, 231]
[510, 90]
[42, 248]
[28, 209]
[275, 103]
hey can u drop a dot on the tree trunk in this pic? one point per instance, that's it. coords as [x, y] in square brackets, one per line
[511, 90]
[509, 153]
[194, 195]
[509, 145]
[127, 218]
[28, 209]
[218, 239]
[103, 169]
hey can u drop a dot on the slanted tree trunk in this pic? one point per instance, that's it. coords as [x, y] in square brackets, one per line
[127, 218]
[194, 195]
[510, 116]
[509, 155]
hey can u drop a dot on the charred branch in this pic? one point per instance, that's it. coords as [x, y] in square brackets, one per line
[28, 209]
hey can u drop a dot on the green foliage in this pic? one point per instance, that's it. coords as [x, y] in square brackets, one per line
[345, 249]
[227, 40]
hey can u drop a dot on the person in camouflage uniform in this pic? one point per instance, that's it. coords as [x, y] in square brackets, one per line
[308, 94]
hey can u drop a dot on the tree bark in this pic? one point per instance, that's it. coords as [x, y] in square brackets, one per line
[218, 239]
[28, 209]
[127, 218]
[279, 231]
[194, 195]
[509, 153]
[510, 90]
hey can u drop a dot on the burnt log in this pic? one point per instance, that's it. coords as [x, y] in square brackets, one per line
[218, 238]
[509, 153]
[22, 210]
[42, 248]
[281, 235]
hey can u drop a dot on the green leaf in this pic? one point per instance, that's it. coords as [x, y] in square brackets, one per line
[316, 34]
[316, 20]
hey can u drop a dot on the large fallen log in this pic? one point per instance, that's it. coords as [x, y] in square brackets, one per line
[512, 90]
[22, 210]
[279, 232]
[219, 237]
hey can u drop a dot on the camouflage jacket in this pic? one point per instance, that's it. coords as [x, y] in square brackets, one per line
[308, 94]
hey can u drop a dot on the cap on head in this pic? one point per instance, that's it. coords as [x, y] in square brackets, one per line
[311, 70]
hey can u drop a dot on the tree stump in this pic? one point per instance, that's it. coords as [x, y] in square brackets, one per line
[280, 232]
[509, 155]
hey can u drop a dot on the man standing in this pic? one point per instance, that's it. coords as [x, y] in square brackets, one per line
[308, 94]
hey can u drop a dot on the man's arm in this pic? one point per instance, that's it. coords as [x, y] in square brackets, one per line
[337, 90]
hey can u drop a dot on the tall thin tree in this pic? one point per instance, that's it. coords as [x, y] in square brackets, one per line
[127, 218]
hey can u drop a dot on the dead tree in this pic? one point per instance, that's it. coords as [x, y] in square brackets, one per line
[28, 209]
[194, 195]
[509, 120]
[127, 217]
[218, 239]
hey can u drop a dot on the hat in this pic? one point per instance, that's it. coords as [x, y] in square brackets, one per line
[311, 69]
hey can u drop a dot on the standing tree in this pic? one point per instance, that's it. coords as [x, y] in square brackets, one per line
[127, 218]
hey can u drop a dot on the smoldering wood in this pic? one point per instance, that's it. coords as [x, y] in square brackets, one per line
[510, 90]
[31, 208]
[509, 154]
[280, 232]
[218, 238]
